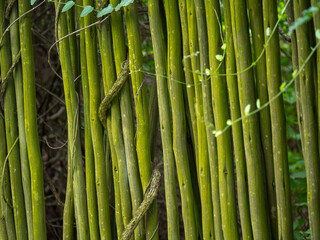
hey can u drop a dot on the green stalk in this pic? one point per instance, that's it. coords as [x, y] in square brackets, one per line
[256, 22]
[207, 163]
[109, 76]
[251, 131]
[178, 115]
[11, 128]
[74, 147]
[240, 158]
[96, 127]
[308, 119]
[4, 178]
[316, 20]
[17, 75]
[88, 148]
[188, 71]
[278, 122]
[221, 115]
[33, 146]
[119, 49]
[141, 107]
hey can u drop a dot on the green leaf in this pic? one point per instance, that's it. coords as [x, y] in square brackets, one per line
[229, 122]
[268, 31]
[207, 72]
[318, 33]
[247, 109]
[258, 104]
[105, 11]
[32, 2]
[282, 86]
[68, 5]
[87, 9]
[294, 73]
[224, 46]
[219, 57]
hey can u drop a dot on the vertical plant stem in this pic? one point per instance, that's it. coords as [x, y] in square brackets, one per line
[207, 162]
[251, 131]
[221, 115]
[6, 217]
[11, 128]
[109, 76]
[88, 149]
[240, 158]
[141, 107]
[74, 147]
[308, 122]
[17, 75]
[96, 128]
[119, 49]
[256, 22]
[278, 121]
[29, 97]
[188, 71]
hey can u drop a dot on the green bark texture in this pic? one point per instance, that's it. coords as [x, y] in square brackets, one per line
[278, 123]
[141, 108]
[74, 147]
[207, 159]
[18, 82]
[88, 148]
[308, 122]
[221, 115]
[237, 134]
[251, 132]
[33, 146]
[256, 23]
[96, 128]
[11, 128]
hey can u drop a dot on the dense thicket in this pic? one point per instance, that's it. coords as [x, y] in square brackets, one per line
[225, 83]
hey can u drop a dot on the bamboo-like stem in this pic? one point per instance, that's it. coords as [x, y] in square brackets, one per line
[316, 20]
[33, 146]
[221, 115]
[11, 128]
[68, 210]
[141, 107]
[109, 76]
[308, 122]
[17, 75]
[188, 71]
[74, 147]
[208, 164]
[240, 158]
[194, 50]
[6, 216]
[256, 22]
[88, 148]
[251, 131]
[119, 50]
[96, 128]
[278, 121]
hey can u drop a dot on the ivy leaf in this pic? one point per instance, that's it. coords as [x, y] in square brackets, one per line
[207, 72]
[247, 109]
[105, 11]
[258, 104]
[32, 2]
[68, 5]
[88, 9]
[318, 34]
[223, 47]
[282, 86]
[219, 57]
[123, 3]
[229, 122]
